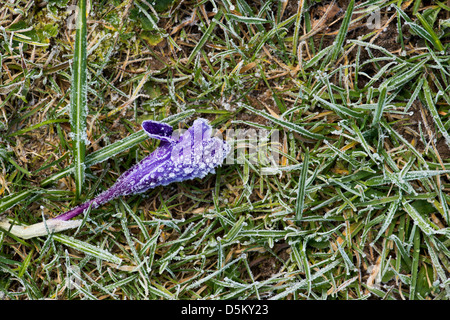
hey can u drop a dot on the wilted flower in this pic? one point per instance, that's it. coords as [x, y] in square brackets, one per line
[193, 154]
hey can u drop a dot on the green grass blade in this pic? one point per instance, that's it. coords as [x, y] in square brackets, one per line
[338, 44]
[304, 282]
[298, 20]
[13, 199]
[246, 20]
[301, 191]
[404, 77]
[78, 99]
[205, 37]
[339, 109]
[380, 106]
[87, 248]
[415, 264]
[437, 265]
[286, 124]
[36, 126]
[434, 111]
[317, 58]
[428, 32]
[300, 257]
[418, 218]
[389, 217]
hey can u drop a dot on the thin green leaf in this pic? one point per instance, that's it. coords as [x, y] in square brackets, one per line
[205, 37]
[11, 200]
[418, 218]
[38, 125]
[288, 125]
[434, 112]
[430, 34]
[301, 190]
[246, 20]
[339, 109]
[380, 105]
[78, 99]
[340, 38]
[87, 248]
[415, 264]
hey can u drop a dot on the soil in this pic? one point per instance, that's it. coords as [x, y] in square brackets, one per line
[265, 266]
[422, 121]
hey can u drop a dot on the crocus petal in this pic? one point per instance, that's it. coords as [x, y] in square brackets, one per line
[158, 130]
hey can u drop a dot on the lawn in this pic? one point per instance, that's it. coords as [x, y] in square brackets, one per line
[337, 185]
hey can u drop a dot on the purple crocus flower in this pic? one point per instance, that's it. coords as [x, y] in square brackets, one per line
[193, 154]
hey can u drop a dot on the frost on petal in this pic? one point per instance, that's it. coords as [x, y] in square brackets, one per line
[158, 130]
[181, 153]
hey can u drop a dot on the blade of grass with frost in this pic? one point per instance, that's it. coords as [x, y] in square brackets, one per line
[374, 46]
[403, 140]
[318, 57]
[418, 218]
[88, 248]
[13, 199]
[360, 138]
[234, 231]
[304, 282]
[415, 264]
[215, 273]
[246, 10]
[434, 39]
[338, 43]
[340, 110]
[298, 20]
[379, 74]
[411, 175]
[434, 112]
[266, 39]
[437, 265]
[390, 215]
[301, 191]
[415, 93]
[380, 106]
[205, 37]
[300, 257]
[343, 155]
[78, 99]
[36, 126]
[443, 204]
[405, 76]
[246, 20]
[286, 124]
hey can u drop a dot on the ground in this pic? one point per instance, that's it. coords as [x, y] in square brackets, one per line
[358, 93]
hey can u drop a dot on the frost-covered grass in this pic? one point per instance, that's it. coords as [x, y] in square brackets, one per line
[357, 207]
